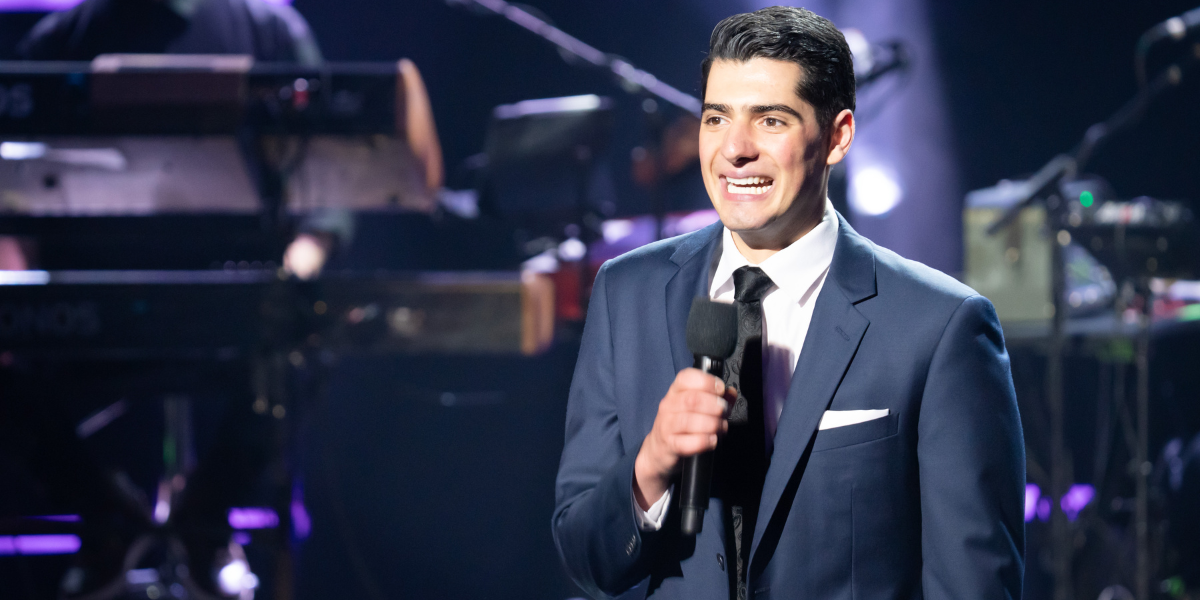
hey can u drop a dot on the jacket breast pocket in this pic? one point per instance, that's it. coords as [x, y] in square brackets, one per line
[859, 433]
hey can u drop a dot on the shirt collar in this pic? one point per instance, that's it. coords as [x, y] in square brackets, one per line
[794, 269]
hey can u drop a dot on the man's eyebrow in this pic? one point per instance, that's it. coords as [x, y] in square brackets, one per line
[722, 108]
[783, 108]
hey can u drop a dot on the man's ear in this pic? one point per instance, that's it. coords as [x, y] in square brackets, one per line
[841, 135]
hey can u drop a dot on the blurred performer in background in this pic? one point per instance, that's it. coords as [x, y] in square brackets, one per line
[114, 514]
[866, 432]
[267, 32]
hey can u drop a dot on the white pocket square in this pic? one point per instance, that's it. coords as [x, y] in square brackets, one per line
[841, 418]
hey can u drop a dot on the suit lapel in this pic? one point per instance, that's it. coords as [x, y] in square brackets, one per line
[833, 337]
[693, 257]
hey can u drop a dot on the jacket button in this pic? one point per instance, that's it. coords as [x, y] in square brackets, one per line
[721, 562]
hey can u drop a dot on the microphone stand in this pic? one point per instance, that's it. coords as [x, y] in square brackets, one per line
[1038, 189]
[628, 75]
[897, 60]
[631, 78]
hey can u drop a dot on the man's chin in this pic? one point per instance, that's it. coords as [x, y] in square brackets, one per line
[744, 224]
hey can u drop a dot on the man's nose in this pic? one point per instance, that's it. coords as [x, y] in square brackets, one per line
[739, 147]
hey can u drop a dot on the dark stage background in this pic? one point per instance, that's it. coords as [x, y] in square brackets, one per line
[1023, 79]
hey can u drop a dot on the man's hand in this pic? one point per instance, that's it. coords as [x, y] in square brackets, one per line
[690, 417]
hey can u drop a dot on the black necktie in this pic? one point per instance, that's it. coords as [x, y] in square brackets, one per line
[741, 455]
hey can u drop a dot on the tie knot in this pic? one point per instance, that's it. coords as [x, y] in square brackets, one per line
[750, 284]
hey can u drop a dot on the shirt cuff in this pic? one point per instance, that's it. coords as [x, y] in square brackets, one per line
[651, 519]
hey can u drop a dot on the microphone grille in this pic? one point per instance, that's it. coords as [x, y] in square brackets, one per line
[712, 328]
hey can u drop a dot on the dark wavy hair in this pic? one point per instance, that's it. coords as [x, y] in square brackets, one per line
[795, 35]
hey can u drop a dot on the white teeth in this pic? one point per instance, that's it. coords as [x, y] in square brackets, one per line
[748, 180]
[734, 188]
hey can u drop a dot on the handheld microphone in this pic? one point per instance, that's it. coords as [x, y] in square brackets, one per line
[711, 338]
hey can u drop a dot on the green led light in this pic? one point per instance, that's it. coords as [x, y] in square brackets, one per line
[1086, 199]
[1190, 312]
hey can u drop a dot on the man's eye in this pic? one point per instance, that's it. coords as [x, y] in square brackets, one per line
[772, 122]
[712, 121]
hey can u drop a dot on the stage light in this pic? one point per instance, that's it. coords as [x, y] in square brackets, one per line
[252, 518]
[1076, 499]
[235, 579]
[1072, 503]
[1187, 291]
[59, 518]
[1032, 493]
[230, 576]
[541, 106]
[304, 257]
[1043, 509]
[301, 522]
[60, 5]
[874, 192]
[22, 150]
[24, 277]
[162, 503]
[1086, 199]
[162, 511]
[860, 50]
[38, 544]
[615, 230]
[572, 250]
[546, 262]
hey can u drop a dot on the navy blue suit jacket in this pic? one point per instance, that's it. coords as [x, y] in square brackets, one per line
[924, 503]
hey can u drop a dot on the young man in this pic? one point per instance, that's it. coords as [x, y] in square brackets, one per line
[866, 433]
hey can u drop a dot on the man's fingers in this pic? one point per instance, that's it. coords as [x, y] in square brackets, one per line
[696, 423]
[702, 402]
[693, 443]
[690, 417]
[695, 379]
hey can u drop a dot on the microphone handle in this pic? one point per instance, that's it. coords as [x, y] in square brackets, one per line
[696, 482]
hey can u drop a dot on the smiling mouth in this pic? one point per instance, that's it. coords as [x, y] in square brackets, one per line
[752, 186]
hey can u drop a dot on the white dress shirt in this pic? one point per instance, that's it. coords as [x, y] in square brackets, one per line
[798, 273]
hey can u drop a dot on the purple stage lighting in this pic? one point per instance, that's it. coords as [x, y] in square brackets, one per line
[1032, 493]
[1072, 503]
[1076, 499]
[252, 518]
[301, 522]
[57, 5]
[622, 235]
[59, 518]
[1043, 509]
[38, 544]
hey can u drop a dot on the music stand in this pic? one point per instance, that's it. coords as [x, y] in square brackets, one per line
[541, 158]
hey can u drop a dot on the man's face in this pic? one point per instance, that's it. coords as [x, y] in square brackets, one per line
[762, 152]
